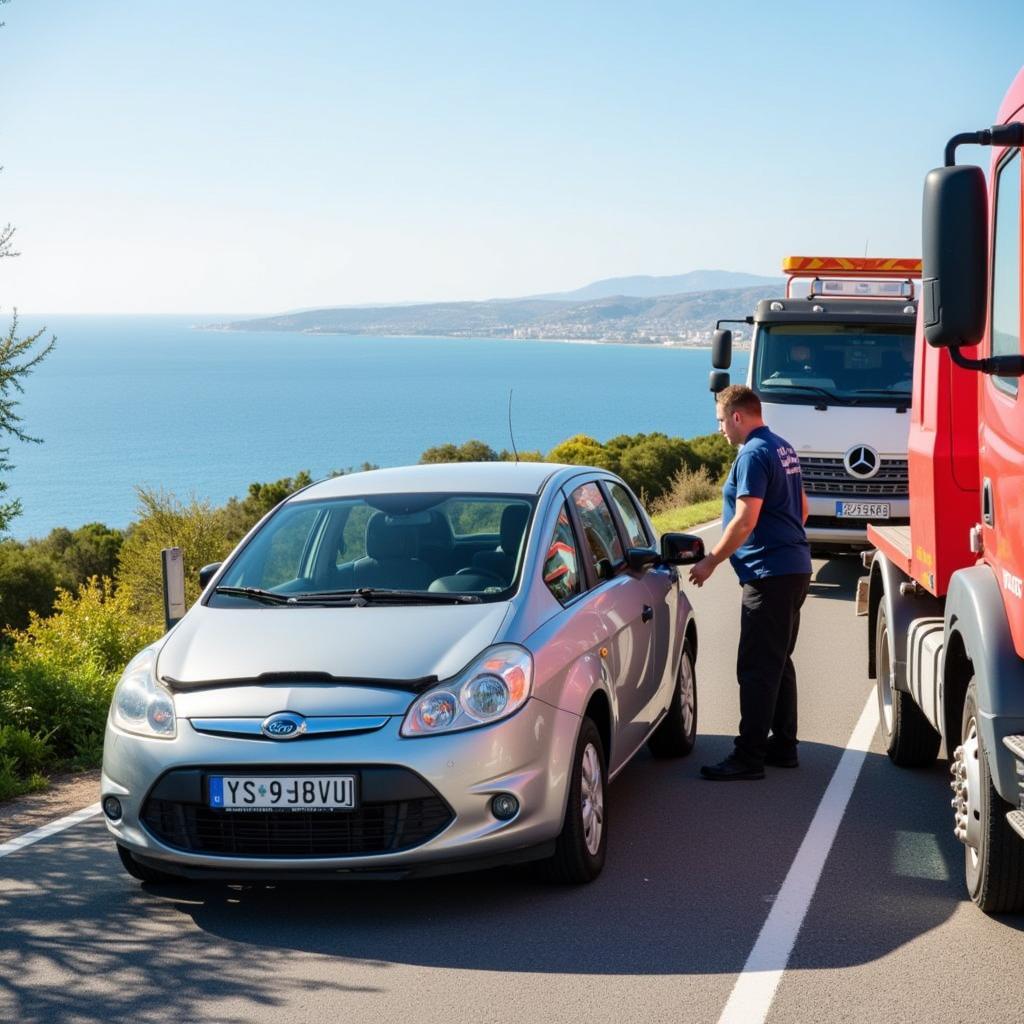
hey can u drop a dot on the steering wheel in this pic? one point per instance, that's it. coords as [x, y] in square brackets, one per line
[472, 571]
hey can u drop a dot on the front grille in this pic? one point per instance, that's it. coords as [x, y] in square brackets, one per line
[375, 827]
[828, 476]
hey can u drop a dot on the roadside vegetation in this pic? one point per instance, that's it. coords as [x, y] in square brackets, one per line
[76, 605]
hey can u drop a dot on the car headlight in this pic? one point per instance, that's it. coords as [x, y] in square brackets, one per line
[494, 686]
[141, 705]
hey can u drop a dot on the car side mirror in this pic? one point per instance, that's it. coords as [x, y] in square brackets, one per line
[718, 380]
[721, 350]
[954, 256]
[642, 559]
[681, 549]
[207, 573]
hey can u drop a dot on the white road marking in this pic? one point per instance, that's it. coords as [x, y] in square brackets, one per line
[755, 988]
[45, 831]
[708, 526]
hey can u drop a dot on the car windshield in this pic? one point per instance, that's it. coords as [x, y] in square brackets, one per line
[835, 363]
[387, 548]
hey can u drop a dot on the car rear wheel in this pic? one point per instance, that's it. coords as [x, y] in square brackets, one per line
[583, 842]
[677, 733]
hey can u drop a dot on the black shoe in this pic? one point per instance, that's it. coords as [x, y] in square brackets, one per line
[732, 769]
[778, 759]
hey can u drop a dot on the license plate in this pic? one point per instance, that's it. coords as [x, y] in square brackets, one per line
[862, 510]
[282, 792]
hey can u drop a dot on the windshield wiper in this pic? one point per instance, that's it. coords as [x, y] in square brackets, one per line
[369, 595]
[806, 387]
[888, 392]
[254, 594]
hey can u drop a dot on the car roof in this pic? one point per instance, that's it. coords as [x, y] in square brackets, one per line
[465, 477]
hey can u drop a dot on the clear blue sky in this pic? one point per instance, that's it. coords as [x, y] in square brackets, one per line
[251, 157]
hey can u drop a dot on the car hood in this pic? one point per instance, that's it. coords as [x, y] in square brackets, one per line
[236, 646]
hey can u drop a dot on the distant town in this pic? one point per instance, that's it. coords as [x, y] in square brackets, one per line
[596, 313]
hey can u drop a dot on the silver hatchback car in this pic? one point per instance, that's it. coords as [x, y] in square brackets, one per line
[404, 672]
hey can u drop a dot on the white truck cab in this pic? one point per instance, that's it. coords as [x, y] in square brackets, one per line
[833, 369]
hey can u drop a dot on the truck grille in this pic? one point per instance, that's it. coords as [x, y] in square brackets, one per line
[828, 476]
[176, 813]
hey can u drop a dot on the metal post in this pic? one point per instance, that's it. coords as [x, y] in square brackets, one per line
[174, 585]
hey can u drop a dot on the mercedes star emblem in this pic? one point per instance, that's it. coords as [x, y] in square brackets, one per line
[862, 462]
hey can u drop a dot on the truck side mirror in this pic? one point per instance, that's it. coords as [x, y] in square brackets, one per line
[721, 350]
[954, 256]
[717, 380]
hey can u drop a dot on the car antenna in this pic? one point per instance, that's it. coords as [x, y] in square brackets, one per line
[510, 434]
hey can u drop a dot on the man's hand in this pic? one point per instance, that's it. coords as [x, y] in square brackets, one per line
[702, 570]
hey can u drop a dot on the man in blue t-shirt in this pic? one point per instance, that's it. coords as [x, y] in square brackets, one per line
[763, 513]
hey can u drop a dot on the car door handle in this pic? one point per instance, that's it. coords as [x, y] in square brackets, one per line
[647, 614]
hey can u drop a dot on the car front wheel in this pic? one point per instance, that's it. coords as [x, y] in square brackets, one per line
[581, 846]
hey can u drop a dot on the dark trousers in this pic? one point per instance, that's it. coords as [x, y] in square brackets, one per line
[769, 623]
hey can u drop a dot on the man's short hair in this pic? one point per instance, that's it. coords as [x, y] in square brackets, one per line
[738, 398]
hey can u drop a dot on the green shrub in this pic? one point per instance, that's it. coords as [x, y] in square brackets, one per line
[470, 451]
[164, 522]
[715, 452]
[58, 678]
[239, 516]
[28, 583]
[687, 487]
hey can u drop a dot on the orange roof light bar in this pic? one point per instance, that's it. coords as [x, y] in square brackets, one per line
[850, 266]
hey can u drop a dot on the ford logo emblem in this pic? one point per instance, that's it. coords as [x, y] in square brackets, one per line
[284, 726]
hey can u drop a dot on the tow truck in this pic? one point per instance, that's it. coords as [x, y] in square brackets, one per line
[833, 371]
[944, 595]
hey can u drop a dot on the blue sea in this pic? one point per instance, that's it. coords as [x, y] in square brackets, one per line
[154, 401]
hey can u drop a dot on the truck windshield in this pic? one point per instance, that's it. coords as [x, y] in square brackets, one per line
[867, 364]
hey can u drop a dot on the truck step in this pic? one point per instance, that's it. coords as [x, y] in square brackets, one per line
[1015, 745]
[1015, 819]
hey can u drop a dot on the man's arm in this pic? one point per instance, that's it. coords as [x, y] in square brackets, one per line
[804, 507]
[748, 509]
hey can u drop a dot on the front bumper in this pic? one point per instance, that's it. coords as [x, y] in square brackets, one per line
[448, 781]
[824, 527]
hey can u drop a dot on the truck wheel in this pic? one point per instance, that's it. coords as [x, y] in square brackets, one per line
[677, 733]
[910, 740]
[993, 852]
[581, 846]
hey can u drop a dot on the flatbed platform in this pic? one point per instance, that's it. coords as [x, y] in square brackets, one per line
[893, 542]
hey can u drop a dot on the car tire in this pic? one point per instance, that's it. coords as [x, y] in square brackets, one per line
[994, 864]
[579, 850]
[677, 733]
[142, 872]
[910, 740]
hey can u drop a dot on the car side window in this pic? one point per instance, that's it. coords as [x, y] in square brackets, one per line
[602, 539]
[635, 531]
[1005, 303]
[561, 563]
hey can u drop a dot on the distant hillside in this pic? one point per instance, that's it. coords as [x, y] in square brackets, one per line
[645, 286]
[687, 317]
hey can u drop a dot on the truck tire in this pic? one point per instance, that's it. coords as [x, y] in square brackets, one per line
[583, 842]
[677, 733]
[993, 852]
[910, 740]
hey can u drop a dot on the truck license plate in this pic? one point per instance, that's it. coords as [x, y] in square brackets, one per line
[862, 510]
[283, 792]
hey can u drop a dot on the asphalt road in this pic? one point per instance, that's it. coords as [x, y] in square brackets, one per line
[693, 871]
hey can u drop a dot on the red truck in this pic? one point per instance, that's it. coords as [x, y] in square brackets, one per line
[944, 596]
